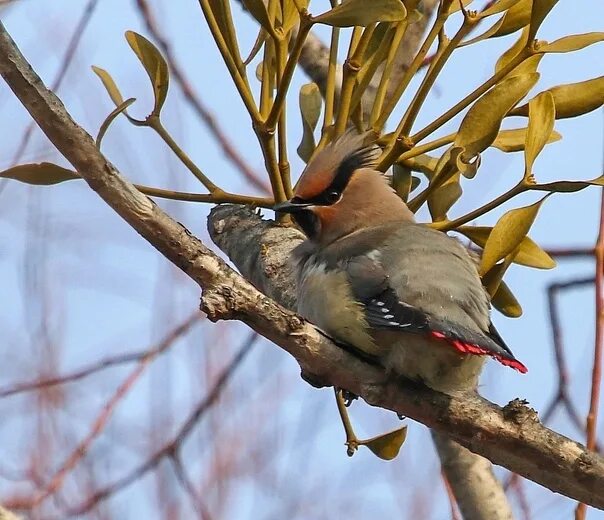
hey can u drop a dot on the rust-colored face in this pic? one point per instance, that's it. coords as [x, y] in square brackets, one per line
[324, 180]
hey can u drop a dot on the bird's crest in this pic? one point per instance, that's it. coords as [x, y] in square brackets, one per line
[333, 166]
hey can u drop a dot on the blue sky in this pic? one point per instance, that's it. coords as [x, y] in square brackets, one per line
[72, 273]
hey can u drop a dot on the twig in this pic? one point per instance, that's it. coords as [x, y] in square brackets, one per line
[596, 376]
[171, 447]
[103, 364]
[57, 480]
[450, 495]
[185, 482]
[195, 102]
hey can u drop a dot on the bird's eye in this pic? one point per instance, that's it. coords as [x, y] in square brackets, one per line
[333, 196]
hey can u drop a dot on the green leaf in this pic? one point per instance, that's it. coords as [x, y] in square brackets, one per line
[515, 18]
[109, 84]
[541, 9]
[480, 126]
[573, 99]
[505, 302]
[572, 43]
[260, 39]
[387, 446]
[498, 7]
[442, 198]
[155, 65]
[41, 174]
[423, 163]
[221, 10]
[508, 234]
[514, 140]
[362, 13]
[542, 114]
[490, 32]
[568, 186]
[403, 182]
[258, 10]
[513, 51]
[529, 253]
[109, 119]
[310, 109]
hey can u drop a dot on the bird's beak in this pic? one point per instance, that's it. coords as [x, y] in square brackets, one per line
[290, 207]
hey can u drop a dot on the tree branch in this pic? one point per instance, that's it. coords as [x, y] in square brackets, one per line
[511, 436]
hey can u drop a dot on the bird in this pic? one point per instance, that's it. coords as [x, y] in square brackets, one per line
[392, 289]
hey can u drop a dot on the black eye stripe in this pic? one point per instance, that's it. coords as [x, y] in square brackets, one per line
[361, 158]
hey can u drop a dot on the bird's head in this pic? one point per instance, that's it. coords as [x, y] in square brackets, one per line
[340, 192]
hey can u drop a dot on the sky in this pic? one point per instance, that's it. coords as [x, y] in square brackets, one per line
[72, 271]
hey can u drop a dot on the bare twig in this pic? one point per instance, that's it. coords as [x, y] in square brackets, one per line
[172, 447]
[28, 386]
[596, 377]
[57, 480]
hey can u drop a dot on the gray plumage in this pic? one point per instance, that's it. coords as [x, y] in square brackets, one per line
[370, 277]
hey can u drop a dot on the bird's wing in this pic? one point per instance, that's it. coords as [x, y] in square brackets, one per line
[383, 309]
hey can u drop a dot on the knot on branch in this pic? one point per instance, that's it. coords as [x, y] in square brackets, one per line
[518, 412]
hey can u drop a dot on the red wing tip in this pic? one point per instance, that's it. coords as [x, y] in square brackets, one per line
[477, 350]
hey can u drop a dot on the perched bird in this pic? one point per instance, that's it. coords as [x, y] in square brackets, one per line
[371, 277]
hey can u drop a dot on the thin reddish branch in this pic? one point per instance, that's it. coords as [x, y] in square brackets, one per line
[171, 448]
[202, 111]
[121, 359]
[99, 424]
[451, 496]
[187, 485]
[596, 375]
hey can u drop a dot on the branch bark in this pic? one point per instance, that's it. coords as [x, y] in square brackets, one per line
[511, 436]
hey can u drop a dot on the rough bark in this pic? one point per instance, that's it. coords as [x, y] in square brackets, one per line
[511, 436]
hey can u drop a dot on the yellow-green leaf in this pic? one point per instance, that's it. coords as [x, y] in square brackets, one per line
[155, 65]
[221, 9]
[109, 84]
[387, 446]
[491, 31]
[507, 234]
[541, 9]
[109, 119]
[423, 163]
[260, 39]
[456, 5]
[505, 302]
[529, 253]
[497, 7]
[542, 114]
[515, 18]
[362, 13]
[513, 51]
[310, 109]
[514, 140]
[573, 43]
[481, 124]
[290, 14]
[403, 182]
[41, 174]
[568, 186]
[442, 198]
[258, 10]
[573, 99]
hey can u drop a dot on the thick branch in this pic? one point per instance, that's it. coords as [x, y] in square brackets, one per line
[511, 437]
